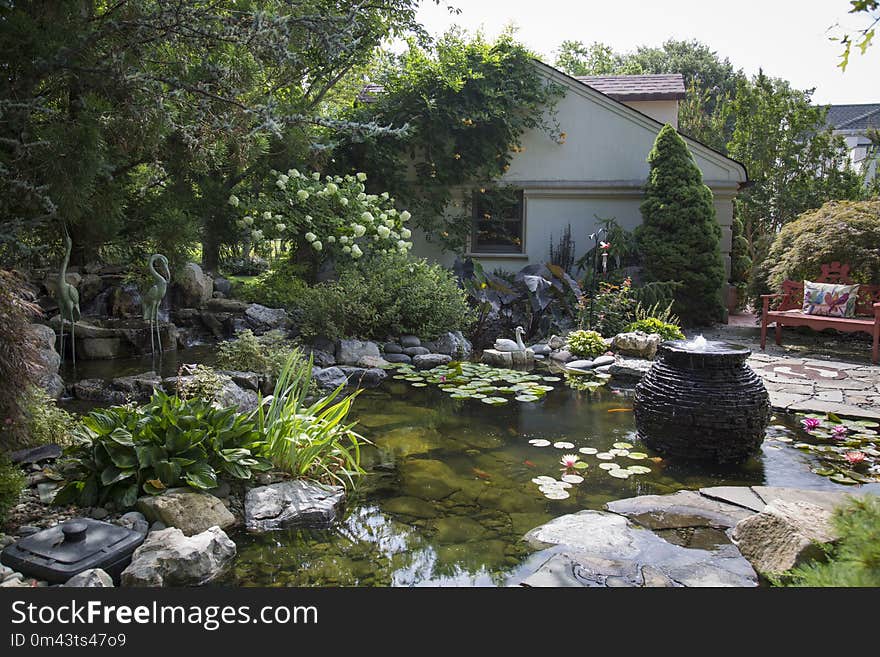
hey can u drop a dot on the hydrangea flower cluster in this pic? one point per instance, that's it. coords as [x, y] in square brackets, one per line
[333, 214]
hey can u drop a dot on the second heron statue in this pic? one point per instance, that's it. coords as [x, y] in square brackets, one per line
[153, 297]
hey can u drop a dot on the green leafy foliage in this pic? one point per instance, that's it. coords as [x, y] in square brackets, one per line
[46, 421]
[839, 231]
[308, 440]
[125, 451]
[612, 308]
[654, 325]
[586, 344]
[388, 294]
[855, 559]
[679, 238]
[265, 354]
[12, 482]
[203, 383]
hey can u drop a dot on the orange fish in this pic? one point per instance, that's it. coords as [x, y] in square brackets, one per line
[482, 474]
[620, 410]
[530, 464]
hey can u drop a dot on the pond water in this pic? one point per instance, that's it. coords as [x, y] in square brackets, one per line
[449, 492]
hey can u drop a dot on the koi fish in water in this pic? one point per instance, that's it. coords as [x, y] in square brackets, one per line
[620, 410]
[530, 464]
[482, 474]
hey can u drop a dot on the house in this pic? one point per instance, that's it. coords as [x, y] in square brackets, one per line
[852, 122]
[598, 170]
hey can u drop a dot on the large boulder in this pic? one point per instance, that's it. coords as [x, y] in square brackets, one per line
[349, 352]
[430, 361]
[195, 286]
[784, 535]
[329, 377]
[169, 558]
[262, 319]
[49, 360]
[91, 578]
[365, 377]
[190, 511]
[296, 503]
[232, 394]
[637, 344]
[628, 369]
[453, 344]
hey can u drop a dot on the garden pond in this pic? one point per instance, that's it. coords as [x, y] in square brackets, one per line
[457, 477]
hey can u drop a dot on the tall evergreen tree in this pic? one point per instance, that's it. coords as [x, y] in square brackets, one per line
[679, 237]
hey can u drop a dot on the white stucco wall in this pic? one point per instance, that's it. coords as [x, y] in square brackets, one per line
[599, 169]
[664, 111]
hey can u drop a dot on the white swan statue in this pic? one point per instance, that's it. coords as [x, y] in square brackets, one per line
[503, 344]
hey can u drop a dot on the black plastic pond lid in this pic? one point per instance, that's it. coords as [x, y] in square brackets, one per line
[59, 553]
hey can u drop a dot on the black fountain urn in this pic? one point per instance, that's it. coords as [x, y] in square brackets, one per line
[700, 401]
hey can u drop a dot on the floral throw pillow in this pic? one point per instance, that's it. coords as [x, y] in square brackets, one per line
[830, 299]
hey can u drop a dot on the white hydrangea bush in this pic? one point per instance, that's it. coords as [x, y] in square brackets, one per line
[332, 214]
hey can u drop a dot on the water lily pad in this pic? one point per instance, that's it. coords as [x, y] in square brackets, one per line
[622, 445]
[620, 473]
[572, 478]
[562, 444]
[477, 395]
[551, 378]
[638, 469]
[417, 384]
[618, 452]
[526, 398]
[543, 479]
[459, 395]
[609, 466]
[494, 401]
[556, 494]
[539, 442]
[580, 465]
[842, 479]
[604, 456]
[823, 472]
[588, 450]
[637, 456]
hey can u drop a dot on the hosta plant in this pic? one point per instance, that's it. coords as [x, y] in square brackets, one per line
[126, 451]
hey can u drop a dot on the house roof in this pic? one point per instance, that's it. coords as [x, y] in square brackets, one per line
[854, 117]
[666, 86]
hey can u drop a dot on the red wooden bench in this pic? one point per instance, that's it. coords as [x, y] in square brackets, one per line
[789, 310]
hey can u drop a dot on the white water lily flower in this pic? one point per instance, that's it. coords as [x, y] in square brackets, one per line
[344, 201]
[317, 246]
[568, 460]
[233, 200]
[248, 221]
[405, 215]
[310, 237]
[302, 194]
[405, 233]
[356, 251]
[361, 176]
[280, 227]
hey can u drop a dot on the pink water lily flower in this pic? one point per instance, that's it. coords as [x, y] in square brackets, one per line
[839, 432]
[854, 458]
[811, 423]
[568, 460]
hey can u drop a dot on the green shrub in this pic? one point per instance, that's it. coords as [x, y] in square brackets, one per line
[265, 354]
[855, 559]
[45, 421]
[679, 239]
[389, 294]
[839, 231]
[612, 309]
[124, 451]
[653, 325]
[308, 441]
[12, 481]
[586, 344]
[281, 287]
[204, 383]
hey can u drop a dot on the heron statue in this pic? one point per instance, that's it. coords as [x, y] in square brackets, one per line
[153, 297]
[68, 298]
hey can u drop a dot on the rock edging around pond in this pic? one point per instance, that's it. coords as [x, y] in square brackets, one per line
[720, 536]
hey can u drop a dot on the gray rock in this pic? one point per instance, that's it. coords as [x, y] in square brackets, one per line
[27, 530]
[187, 510]
[330, 377]
[784, 535]
[222, 285]
[296, 503]
[452, 344]
[629, 369]
[98, 513]
[349, 352]
[392, 348]
[195, 287]
[541, 349]
[220, 305]
[137, 387]
[91, 578]
[410, 341]
[561, 356]
[555, 342]
[368, 362]
[603, 369]
[5, 571]
[580, 364]
[320, 358]
[601, 361]
[678, 511]
[231, 394]
[429, 361]
[606, 549]
[169, 558]
[48, 361]
[416, 351]
[134, 520]
[738, 495]
[364, 377]
[246, 380]
[637, 344]
[264, 319]
[158, 526]
[35, 454]
[397, 358]
[90, 287]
